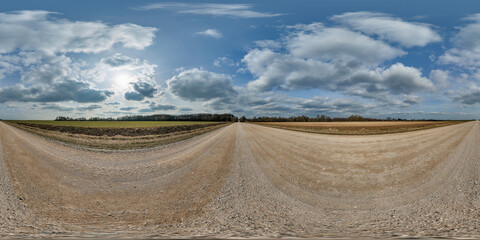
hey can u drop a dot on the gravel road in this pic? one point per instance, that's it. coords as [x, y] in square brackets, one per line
[246, 180]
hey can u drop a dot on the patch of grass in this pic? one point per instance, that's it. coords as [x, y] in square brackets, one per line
[111, 124]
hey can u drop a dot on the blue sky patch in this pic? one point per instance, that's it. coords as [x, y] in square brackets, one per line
[254, 58]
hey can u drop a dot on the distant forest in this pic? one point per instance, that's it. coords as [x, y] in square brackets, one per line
[318, 118]
[226, 117]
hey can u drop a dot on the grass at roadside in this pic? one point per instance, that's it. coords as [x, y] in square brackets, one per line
[110, 124]
[358, 128]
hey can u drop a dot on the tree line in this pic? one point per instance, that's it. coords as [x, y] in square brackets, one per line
[226, 117]
[318, 118]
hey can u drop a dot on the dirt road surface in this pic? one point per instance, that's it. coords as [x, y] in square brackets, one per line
[246, 180]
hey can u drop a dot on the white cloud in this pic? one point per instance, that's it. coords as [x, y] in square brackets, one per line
[121, 61]
[355, 62]
[121, 74]
[466, 50]
[210, 33]
[50, 70]
[35, 45]
[465, 54]
[440, 77]
[412, 99]
[401, 79]
[10, 63]
[224, 61]
[60, 79]
[198, 84]
[408, 34]
[41, 31]
[336, 105]
[279, 104]
[213, 9]
[283, 71]
[335, 59]
[338, 44]
[50, 79]
[268, 44]
[66, 90]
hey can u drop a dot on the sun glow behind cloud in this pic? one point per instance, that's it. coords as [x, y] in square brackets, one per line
[248, 59]
[121, 80]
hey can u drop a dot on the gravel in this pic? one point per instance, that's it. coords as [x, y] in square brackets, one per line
[245, 181]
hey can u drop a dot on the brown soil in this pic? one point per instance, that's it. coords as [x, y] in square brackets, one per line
[246, 180]
[131, 132]
[119, 142]
[359, 128]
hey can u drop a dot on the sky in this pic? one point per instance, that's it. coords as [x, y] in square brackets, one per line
[401, 59]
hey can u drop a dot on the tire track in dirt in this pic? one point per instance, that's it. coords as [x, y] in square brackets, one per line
[344, 175]
[103, 189]
[247, 180]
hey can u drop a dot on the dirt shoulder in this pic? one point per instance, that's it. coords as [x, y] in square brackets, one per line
[358, 128]
[118, 138]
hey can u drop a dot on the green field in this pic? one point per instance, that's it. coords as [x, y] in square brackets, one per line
[112, 124]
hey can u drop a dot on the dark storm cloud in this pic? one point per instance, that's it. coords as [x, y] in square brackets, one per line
[469, 98]
[157, 107]
[145, 110]
[185, 109]
[119, 113]
[128, 108]
[57, 108]
[141, 91]
[89, 108]
[112, 103]
[68, 90]
[134, 96]
[145, 88]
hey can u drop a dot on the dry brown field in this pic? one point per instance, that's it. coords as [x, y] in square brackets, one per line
[359, 128]
[245, 181]
[121, 136]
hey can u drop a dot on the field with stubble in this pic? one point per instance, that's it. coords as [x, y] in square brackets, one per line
[359, 128]
[245, 180]
[117, 135]
[110, 124]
